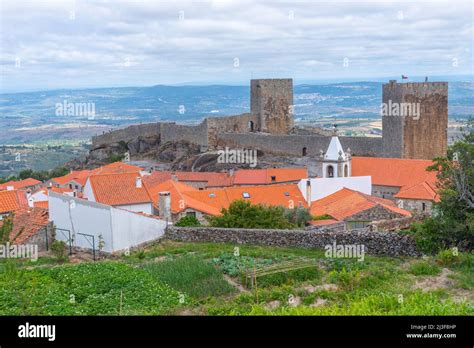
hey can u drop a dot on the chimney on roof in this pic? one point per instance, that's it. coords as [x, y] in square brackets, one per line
[231, 172]
[10, 188]
[174, 177]
[138, 182]
[308, 191]
[164, 205]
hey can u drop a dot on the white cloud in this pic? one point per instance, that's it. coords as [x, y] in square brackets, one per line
[150, 42]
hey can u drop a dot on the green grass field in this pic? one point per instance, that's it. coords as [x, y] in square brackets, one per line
[207, 279]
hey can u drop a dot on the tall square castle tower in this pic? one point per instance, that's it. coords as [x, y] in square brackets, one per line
[415, 119]
[272, 101]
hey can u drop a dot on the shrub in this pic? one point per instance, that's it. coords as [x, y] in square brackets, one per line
[298, 216]
[348, 280]
[448, 257]
[188, 221]
[58, 248]
[242, 214]
[115, 158]
[321, 217]
[424, 268]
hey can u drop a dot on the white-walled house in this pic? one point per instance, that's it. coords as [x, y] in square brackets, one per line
[120, 229]
[318, 188]
[122, 190]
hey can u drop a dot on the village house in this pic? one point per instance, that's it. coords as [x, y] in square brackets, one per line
[76, 180]
[30, 226]
[26, 184]
[122, 190]
[404, 181]
[185, 200]
[356, 209]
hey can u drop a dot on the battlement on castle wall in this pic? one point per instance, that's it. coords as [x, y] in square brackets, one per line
[416, 87]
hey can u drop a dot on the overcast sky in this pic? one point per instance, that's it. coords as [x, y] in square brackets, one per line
[86, 43]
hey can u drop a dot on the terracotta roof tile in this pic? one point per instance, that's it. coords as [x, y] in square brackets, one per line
[345, 203]
[419, 191]
[79, 177]
[115, 168]
[323, 222]
[264, 176]
[210, 179]
[20, 184]
[118, 189]
[26, 223]
[398, 172]
[286, 195]
[41, 204]
[12, 200]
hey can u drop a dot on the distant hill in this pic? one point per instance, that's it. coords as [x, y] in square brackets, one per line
[30, 117]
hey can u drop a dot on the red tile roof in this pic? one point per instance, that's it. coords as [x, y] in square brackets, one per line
[180, 201]
[345, 203]
[26, 223]
[264, 176]
[210, 179]
[286, 195]
[408, 174]
[41, 204]
[20, 184]
[115, 168]
[323, 222]
[424, 190]
[79, 177]
[12, 200]
[118, 189]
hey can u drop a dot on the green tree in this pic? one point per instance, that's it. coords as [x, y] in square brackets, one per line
[453, 221]
[188, 221]
[6, 229]
[242, 214]
[298, 216]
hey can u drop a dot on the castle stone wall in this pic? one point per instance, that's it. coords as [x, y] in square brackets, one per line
[126, 134]
[194, 134]
[294, 144]
[243, 123]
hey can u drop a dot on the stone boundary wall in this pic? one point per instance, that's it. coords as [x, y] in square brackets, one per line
[397, 224]
[376, 243]
[294, 144]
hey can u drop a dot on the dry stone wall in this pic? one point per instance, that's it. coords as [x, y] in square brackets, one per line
[376, 243]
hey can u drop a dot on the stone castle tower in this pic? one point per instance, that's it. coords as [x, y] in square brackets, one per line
[415, 119]
[271, 100]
